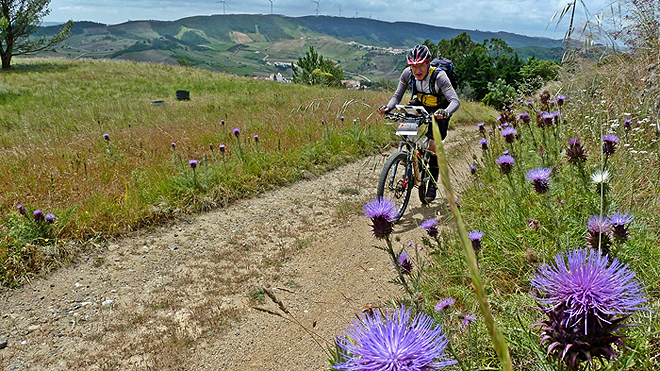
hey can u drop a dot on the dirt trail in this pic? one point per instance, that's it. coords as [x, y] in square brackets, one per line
[179, 297]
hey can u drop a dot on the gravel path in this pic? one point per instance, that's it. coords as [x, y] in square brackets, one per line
[180, 297]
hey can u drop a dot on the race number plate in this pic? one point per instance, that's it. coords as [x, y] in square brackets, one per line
[407, 127]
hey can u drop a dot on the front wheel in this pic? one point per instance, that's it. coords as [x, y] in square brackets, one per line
[396, 181]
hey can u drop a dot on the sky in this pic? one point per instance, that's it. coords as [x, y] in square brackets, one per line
[527, 17]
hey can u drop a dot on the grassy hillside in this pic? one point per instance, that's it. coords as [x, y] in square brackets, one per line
[209, 41]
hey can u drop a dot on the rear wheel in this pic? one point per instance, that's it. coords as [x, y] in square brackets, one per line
[396, 181]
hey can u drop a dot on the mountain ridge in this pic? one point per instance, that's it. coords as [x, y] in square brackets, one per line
[233, 43]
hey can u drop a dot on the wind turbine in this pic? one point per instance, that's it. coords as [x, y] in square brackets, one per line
[271, 6]
[224, 3]
[317, 6]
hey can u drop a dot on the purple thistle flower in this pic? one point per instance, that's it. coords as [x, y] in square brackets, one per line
[49, 218]
[548, 118]
[575, 151]
[173, 145]
[560, 100]
[481, 127]
[585, 301]
[506, 163]
[609, 143]
[405, 263]
[524, 117]
[393, 342]
[211, 146]
[38, 215]
[468, 319]
[221, 148]
[237, 132]
[444, 304]
[430, 226]
[475, 236]
[539, 178]
[22, 210]
[473, 169]
[382, 213]
[193, 164]
[484, 143]
[599, 228]
[626, 124]
[106, 137]
[342, 118]
[256, 138]
[509, 134]
[222, 122]
[619, 224]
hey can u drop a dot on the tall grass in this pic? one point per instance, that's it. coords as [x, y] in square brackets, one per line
[82, 140]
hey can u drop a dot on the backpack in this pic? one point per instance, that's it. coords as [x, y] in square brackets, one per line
[448, 66]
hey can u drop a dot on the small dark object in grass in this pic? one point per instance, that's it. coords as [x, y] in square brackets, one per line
[183, 95]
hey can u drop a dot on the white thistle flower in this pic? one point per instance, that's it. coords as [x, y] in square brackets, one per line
[599, 177]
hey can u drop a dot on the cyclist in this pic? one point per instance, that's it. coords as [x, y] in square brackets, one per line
[431, 88]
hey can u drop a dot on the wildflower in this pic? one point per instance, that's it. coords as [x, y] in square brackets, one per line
[211, 146]
[586, 302]
[539, 178]
[619, 225]
[575, 151]
[473, 169]
[599, 228]
[22, 210]
[500, 119]
[468, 319]
[475, 236]
[480, 125]
[50, 217]
[524, 117]
[405, 263]
[394, 342]
[626, 124]
[222, 122]
[600, 177]
[106, 137]
[382, 213]
[173, 145]
[444, 304]
[609, 143]
[560, 100]
[545, 96]
[38, 215]
[430, 226]
[221, 148]
[548, 118]
[505, 152]
[484, 144]
[506, 163]
[193, 164]
[341, 118]
[237, 132]
[509, 134]
[256, 139]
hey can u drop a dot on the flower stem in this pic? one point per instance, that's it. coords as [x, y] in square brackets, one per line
[497, 337]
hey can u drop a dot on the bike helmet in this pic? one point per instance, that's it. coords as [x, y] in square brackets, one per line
[418, 54]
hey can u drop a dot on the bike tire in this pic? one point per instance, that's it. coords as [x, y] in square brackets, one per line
[396, 181]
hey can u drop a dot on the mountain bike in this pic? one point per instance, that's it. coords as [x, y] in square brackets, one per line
[408, 166]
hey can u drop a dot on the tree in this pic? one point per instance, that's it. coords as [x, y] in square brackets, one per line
[19, 20]
[316, 70]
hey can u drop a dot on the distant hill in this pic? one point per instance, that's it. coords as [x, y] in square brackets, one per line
[258, 45]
